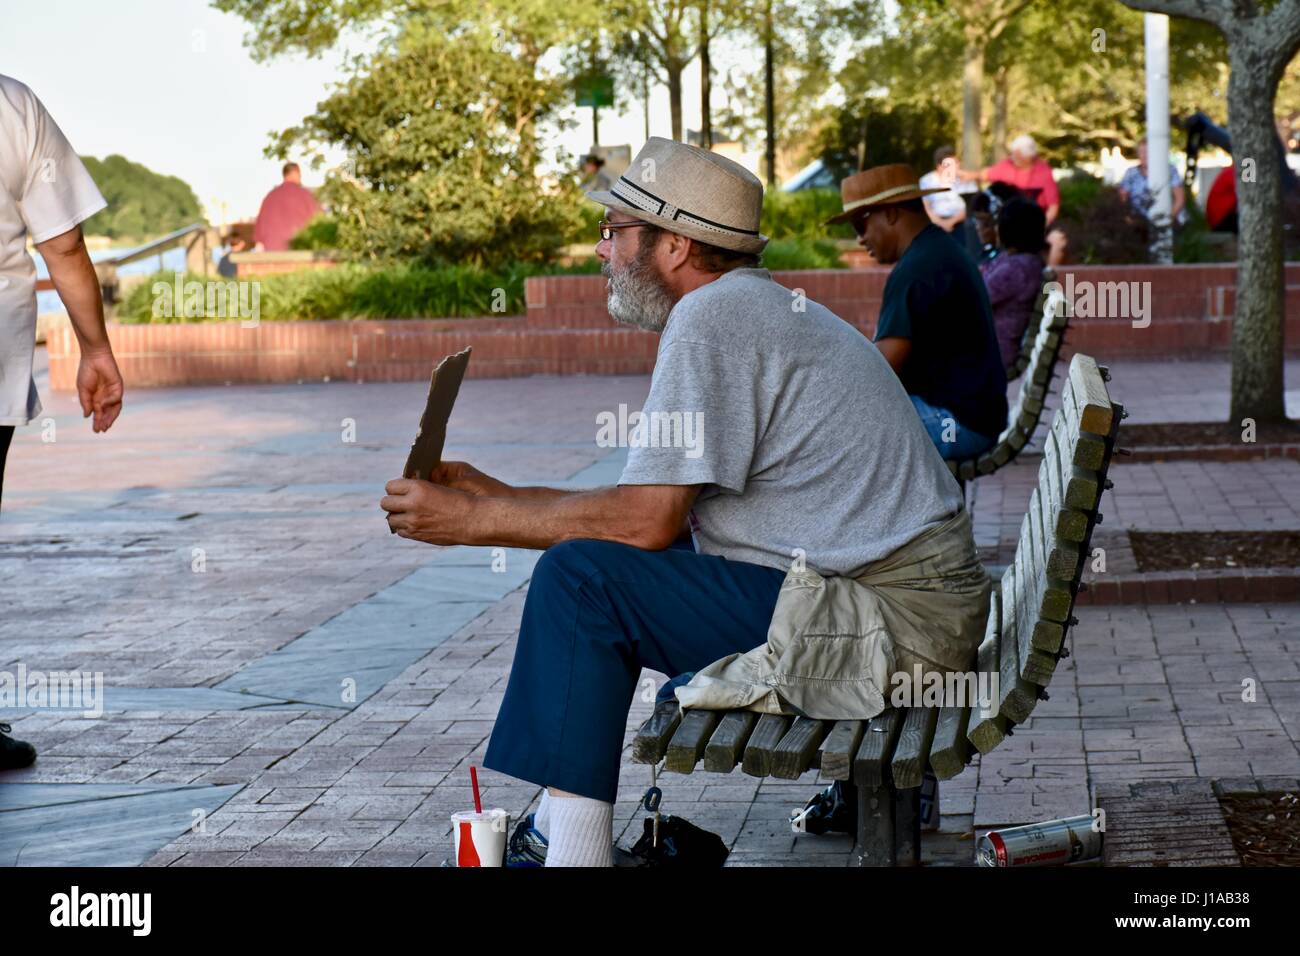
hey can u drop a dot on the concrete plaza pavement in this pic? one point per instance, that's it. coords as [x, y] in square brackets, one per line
[287, 683]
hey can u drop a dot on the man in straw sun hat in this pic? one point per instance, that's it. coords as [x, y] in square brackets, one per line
[936, 324]
[775, 446]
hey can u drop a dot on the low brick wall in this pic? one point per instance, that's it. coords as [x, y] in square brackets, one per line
[566, 330]
[214, 353]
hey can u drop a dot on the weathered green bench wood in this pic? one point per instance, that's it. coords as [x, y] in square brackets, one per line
[1040, 352]
[692, 736]
[986, 732]
[757, 761]
[912, 751]
[840, 747]
[1030, 614]
[798, 749]
[727, 747]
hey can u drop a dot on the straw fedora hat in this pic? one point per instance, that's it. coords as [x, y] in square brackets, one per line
[878, 186]
[690, 191]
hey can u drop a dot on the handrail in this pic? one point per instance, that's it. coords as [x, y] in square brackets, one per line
[156, 246]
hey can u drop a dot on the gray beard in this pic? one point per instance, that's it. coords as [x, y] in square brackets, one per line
[638, 295]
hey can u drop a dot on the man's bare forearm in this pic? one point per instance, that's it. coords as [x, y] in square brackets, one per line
[77, 284]
[541, 520]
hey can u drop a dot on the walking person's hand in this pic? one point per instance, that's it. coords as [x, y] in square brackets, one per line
[99, 388]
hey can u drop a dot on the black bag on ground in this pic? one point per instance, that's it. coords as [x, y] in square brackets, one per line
[681, 844]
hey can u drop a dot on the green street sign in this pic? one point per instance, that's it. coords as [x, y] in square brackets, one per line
[596, 91]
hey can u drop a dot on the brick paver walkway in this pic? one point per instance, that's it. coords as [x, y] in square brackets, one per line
[302, 590]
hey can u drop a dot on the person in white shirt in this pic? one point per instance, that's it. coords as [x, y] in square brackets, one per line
[946, 209]
[45, 193]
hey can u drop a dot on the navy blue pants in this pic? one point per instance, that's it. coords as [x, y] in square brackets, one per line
[596, 613]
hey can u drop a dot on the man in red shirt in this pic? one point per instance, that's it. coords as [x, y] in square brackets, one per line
[285, 210]
[1024, 170]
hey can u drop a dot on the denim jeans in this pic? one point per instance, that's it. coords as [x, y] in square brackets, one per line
[596, 613]
[953, 439]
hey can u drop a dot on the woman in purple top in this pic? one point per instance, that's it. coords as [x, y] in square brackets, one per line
[1014, 277]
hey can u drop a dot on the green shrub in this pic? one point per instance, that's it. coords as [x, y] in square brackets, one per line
[322, 232]
[802, 254]
[353, 291]
[802, 215]
[1079, 191]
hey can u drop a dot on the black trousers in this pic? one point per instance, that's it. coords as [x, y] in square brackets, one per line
[6, 436]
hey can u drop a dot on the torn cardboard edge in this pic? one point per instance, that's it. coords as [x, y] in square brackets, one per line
[444, 386]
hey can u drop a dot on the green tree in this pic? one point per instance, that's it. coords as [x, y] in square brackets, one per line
[141, 203]
[441, 125]
[1262, 38]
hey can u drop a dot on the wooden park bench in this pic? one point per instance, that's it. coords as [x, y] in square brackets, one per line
[1040, 353]
[1029, 616]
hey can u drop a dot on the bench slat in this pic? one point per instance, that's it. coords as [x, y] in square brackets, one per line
[797, 751]
[871, 763]
[841, 747]
[652, 739]
[757, 761]
[1070, 524]
[1087, 390]
[687, 744]
[912, 753]
[950, 750]
[985, 733]
[1016, 697]
[725, 748]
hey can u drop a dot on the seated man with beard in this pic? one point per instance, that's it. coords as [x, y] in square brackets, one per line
[810, 452]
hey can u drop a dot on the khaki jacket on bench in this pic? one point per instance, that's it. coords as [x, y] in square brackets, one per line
[834, 642]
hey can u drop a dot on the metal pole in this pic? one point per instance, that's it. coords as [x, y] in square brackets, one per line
[1157, 68]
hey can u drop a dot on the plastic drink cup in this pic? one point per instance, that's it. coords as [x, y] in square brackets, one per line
[481, 837]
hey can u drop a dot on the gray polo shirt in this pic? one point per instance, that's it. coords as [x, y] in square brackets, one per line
[804, 439]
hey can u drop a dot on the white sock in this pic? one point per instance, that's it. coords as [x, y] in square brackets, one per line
[582, 832]
[542, 815]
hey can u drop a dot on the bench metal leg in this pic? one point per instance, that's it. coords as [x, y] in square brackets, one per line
[875, 836]
[907, 827]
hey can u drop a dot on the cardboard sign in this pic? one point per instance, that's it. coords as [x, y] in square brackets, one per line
[426, 450]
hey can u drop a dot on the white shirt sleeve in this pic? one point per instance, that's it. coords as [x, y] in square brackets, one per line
[57, 191]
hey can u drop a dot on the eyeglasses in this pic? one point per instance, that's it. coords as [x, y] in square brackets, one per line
[607, 228]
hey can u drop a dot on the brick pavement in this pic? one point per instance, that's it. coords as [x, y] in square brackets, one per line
[100, 531]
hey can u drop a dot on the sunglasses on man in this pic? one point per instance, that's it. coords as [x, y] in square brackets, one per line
[860, 222]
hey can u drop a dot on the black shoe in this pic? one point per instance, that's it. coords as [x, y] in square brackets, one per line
[833, 810]
[14, 754]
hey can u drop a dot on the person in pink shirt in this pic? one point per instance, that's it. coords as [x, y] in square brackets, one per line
[285, 210]
[1023, 169]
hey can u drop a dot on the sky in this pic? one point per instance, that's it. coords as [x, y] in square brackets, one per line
[169, 84]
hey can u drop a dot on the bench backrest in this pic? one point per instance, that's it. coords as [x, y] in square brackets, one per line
[1026, 411]
[1033, 609]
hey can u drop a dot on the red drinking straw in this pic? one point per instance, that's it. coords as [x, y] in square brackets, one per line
[473, 778]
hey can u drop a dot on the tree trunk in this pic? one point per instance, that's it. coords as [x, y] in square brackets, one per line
[645, 97]
[998, 130]
[972, 83]
[706, 79]
[674, 70]
[769, 93]
[1257, 327]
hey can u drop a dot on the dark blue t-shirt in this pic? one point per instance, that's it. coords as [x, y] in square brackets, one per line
[936, 298]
